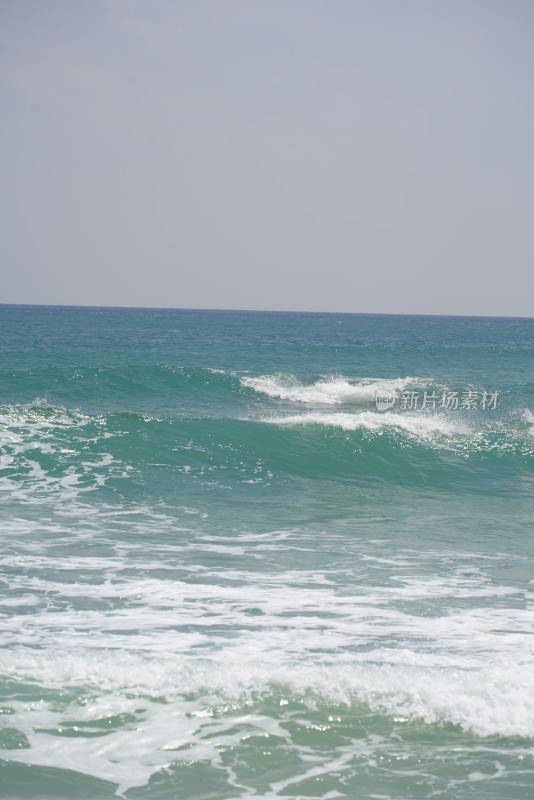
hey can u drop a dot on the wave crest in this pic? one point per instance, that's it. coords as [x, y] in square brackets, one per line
[335, 390]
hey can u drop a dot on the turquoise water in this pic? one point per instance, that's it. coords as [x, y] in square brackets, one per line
[226, 574]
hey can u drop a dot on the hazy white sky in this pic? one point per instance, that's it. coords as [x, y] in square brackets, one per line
[349, 155]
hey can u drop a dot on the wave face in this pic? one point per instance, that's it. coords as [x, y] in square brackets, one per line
[226, 572]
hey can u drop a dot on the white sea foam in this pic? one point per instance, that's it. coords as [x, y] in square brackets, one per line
[27, 433]
[206, 700]
[528, 417]
[111, 635]
[335, 390]
[466, 647]
[418, 425]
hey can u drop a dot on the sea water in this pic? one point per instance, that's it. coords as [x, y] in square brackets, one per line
[226, 573]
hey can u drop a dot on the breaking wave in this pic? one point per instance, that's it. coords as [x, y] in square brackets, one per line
[331, 391]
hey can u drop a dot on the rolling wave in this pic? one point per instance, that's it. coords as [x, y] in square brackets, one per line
[422, 427]
[333, 390]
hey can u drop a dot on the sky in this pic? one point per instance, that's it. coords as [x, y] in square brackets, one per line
[370, 156]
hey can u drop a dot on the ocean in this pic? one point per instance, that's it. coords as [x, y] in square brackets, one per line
[265, 555]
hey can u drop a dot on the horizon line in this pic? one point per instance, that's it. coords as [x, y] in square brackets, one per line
[259, 311]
